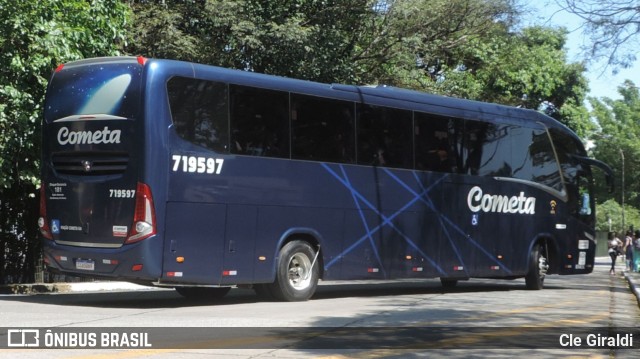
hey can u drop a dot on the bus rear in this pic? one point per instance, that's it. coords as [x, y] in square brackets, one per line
[96, 214]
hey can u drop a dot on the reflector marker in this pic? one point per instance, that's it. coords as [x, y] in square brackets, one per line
[495, 267]
[458, 268]
[174, 274]
[417, 269]
[62, 258]
[373, 270]
[229, 272]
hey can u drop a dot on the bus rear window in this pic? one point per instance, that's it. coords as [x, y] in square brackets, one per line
[111, 88]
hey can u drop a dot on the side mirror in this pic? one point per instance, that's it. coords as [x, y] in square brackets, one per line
[601, 165]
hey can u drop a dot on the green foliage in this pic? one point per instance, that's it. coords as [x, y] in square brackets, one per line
[526, 69]
[425, 44]
[617, 138]
[36, 36]
[301, 38]
[609, 217]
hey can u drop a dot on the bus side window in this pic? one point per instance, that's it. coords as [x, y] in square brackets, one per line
[385, 137]
[487, 149]
[433, 143]
[322, 129]
[259, 122]
[533, 157]
[199, 112]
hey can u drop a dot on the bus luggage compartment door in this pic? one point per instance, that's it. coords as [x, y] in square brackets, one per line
[194, 243]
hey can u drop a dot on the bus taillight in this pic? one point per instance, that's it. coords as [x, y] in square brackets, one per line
[42, 221]
[142, 60]
[144, 218]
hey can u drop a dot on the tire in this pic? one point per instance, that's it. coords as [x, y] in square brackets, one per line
[448, 283]
[296, 273]
[203, 293]
[538, 268]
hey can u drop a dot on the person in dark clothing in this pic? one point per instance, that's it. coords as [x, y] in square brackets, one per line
[613, 242]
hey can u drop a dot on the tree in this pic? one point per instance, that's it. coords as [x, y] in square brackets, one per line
[617, 138]
[609, 217]
[414, 42]
[469, 49]
[613, 26]
[526, 69]
[462, 48]
[36, 36]
[304, 39]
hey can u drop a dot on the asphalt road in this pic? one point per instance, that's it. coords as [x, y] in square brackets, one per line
[478, 318]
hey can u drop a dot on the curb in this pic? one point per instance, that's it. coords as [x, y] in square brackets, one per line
[633, 285]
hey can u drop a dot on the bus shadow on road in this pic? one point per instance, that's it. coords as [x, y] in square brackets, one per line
[168, 298]
[332, 291]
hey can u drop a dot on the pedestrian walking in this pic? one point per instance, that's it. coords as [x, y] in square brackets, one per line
[615, 245]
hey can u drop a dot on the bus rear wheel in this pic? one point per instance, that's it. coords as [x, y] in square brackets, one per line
[297, 273]
[203, 293]
[538, 268]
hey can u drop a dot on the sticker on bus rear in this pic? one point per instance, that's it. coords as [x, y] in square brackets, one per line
[55, 226]
[120, 231]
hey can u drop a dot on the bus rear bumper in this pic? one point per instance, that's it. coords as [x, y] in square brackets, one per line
[136, 262]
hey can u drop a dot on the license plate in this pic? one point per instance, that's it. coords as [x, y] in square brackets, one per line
[85, 264]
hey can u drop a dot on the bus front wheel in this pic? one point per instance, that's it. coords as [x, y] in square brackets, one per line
[297, 272]
[538, 268]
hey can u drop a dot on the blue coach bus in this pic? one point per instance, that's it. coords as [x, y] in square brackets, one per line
[190, 176]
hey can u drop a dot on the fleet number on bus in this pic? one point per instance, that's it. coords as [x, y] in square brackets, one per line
[192, 164]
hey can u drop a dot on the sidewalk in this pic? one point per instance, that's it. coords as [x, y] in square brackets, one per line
[100, 286]
[632, 277]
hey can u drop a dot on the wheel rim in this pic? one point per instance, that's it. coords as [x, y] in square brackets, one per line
[299, 270]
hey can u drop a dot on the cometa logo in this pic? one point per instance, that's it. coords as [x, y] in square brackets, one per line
[67, 137]
[478, 201]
